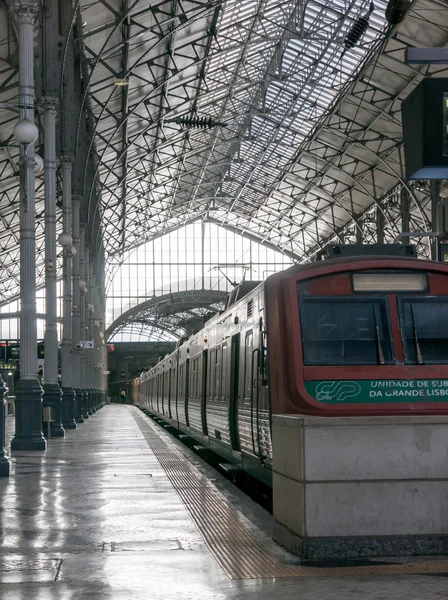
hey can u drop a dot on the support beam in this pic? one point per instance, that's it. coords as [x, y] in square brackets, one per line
[28, 433]
[426, 56]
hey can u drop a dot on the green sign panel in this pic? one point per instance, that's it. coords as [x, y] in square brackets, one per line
[378, 390]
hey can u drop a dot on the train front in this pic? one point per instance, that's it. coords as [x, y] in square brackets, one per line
[360, 336]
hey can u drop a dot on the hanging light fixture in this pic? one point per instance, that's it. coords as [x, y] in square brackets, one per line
[65, 239]
[38, 163]
[26, 131]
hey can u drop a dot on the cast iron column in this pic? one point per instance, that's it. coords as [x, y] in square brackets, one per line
[405, 213]
[82, 311]
[52, 392]
[94, 353]
[96, 323]
[87, 335]
[28, 434]
[4, 462]
[76, 328]
[67, 356]
[104, 357]
[434, 185]
[379, 226]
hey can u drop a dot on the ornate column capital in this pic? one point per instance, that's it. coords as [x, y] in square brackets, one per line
[47, 104]
[76, 199]
[24, 11]
[66, 162]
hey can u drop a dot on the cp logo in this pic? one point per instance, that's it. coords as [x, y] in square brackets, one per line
[337, 390]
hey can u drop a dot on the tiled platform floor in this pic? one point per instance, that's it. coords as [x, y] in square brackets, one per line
[97, 517]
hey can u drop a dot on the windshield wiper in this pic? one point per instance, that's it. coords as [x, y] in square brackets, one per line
[378, 341]
[417, 345]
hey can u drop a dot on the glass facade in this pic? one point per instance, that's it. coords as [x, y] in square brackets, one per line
[198, 256]
[10, 326]
[194, 257]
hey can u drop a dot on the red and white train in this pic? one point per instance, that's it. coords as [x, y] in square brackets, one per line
[361, 335]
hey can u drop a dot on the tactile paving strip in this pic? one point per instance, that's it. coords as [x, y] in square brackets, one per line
[235, 549]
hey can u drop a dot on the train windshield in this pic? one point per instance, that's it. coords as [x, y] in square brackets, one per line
[425, 330]
[342, 331]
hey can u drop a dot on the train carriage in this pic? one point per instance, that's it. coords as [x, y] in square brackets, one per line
[364, 335]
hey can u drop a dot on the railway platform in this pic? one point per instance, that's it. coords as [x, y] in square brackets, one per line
[122, 510]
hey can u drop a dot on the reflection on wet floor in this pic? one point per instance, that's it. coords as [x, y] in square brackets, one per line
[96, 516]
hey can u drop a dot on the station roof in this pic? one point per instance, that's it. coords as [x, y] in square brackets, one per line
[308, 141]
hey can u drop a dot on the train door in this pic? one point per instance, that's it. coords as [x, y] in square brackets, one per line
[256, 398]
[204, 391]
[262, 400]
[249, 399]
[195, 394]
[180, 401]
[234, 384]
[246, 404]
[160, 393]
[187, 390]
[166, 393]
[171, 394]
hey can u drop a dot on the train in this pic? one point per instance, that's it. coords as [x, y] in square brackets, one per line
[354, 334]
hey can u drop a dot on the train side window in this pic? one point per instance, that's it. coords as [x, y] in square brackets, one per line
[248, 365]
[424, 325]
[344, 331]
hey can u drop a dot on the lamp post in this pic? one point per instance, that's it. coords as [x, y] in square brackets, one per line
[28, 433]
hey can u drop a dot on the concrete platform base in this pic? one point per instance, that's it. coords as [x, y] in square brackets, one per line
[359, 547]
[360, 486]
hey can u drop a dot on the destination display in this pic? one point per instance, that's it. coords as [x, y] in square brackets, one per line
[378, 390]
